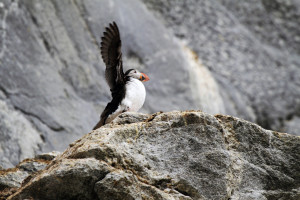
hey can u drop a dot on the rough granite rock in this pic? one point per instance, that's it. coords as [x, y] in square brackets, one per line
[11, 179]
[230, 57]
[175, 155]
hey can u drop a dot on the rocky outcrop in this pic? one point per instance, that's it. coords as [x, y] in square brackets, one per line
[231, 57]
[176, 155]
[12, 178]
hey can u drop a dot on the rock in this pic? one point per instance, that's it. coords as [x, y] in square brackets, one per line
[12, 178]
[56, 77]
[251, 48]
[292, 126]
[229, 57]
[122, 185]
[129, 118]
[175, 155]
[48, 156]
[18, 138]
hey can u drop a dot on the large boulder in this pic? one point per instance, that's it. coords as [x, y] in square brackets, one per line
[176, 155]
[230, 57]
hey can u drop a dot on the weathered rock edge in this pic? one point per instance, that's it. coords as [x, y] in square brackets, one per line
[175, 155]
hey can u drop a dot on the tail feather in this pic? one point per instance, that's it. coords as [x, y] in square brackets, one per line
[109, 113]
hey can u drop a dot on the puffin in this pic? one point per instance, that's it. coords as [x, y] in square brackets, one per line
[127, 89]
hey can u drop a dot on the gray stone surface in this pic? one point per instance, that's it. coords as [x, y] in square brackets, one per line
[251, 48]
[18, 137]
[13, 177]
[48, 156]
[292, 126]
[211, 55]
[175, 155]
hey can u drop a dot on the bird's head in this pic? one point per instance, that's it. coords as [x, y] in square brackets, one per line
[136, 74]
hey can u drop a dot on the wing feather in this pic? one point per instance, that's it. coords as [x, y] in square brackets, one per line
[112, 56]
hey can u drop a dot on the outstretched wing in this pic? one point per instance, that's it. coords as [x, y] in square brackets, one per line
[112, 56]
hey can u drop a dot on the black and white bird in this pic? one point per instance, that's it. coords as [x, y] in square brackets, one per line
[127, 90]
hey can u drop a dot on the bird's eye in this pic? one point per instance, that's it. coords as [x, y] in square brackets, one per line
[134, 71]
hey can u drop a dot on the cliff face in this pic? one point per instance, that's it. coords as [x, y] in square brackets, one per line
[52, 74]
[176, 155]
[252, 48]
[221, 57]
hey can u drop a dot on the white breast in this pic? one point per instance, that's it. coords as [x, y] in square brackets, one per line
[135, 95]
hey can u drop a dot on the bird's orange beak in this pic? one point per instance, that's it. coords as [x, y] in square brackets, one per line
[144, 77]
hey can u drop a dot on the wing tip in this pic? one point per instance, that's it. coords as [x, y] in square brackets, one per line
[110, 44]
